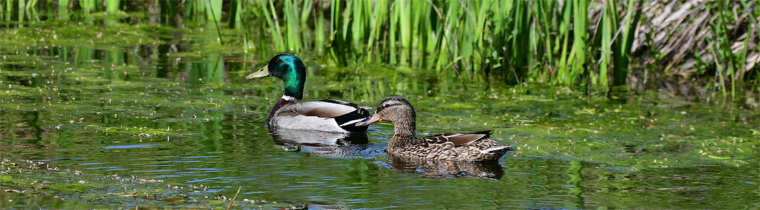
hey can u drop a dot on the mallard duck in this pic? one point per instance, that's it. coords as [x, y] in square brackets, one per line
[290, 113]
[448, 146]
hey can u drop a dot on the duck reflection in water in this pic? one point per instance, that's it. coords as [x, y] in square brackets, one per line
[329, 144]
[446, 168]
[355, 145]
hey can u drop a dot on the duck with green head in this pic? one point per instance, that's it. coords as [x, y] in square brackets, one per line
[290, 113]
[448, 146]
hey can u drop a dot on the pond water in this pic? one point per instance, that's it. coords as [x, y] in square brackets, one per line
[171, 104]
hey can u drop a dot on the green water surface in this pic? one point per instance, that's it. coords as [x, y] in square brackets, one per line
[170, 103]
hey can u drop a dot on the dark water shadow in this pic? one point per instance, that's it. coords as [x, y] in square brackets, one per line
[447, 169]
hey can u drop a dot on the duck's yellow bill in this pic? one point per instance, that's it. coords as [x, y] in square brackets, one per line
[263, 72]
[371, 119]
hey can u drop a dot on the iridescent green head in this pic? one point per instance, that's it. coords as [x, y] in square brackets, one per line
[289, 69]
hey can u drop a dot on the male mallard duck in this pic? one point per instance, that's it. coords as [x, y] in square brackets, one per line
[290, 113]
[447, 146]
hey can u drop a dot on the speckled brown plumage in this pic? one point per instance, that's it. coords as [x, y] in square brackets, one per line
[448, 146]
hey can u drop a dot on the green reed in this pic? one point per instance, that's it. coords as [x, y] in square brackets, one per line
[112, 6]
[503, 40]
[617, 39]
[234, 21]
[729, 64]
[484, 41]
[63, 3]
[753, 20]
[21, 11]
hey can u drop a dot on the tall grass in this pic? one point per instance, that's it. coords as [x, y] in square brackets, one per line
[575, 43]
[503, 41]
[63, 11]
[479, 40]
[5, 11]
[749, 10]
[21, 11]
[112, 6]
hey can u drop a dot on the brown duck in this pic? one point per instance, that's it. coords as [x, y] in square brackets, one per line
[448, 146]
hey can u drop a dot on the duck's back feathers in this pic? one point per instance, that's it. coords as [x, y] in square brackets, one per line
[345, 114]
[457, 139]
[324, 109]
[323, 115]
[452, 146]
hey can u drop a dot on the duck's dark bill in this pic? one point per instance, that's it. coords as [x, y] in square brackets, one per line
[371, 119]
[263, 72]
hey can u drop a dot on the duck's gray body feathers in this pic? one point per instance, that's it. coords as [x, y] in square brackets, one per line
[327, 116]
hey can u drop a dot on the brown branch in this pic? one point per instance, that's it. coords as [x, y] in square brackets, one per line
[233, 198]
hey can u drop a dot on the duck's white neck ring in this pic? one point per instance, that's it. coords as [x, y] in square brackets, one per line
[288, 98]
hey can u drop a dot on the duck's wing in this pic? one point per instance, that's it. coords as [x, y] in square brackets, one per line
[457, 139]
[346, 115]
[327, 109]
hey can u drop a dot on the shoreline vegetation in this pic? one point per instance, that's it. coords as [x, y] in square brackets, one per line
[689, 48]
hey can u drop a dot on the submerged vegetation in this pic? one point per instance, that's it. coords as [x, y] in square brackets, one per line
[41, 184]
[689, 48]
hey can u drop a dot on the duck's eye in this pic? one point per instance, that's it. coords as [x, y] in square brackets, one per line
[278, 61]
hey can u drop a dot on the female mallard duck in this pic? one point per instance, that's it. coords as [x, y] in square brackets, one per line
[290, 113]
[447, 146]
